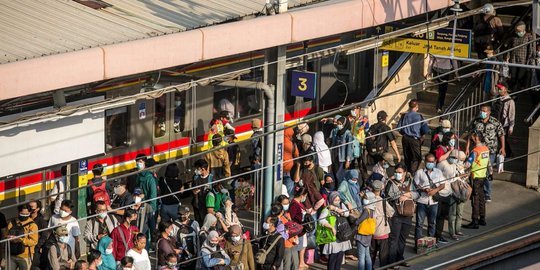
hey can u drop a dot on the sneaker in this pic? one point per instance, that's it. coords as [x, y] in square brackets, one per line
[455, 237]
[442, 240]
[488, 199]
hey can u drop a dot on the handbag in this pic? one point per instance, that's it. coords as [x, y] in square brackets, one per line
[260, 257]
[170, 191]
[367, 226]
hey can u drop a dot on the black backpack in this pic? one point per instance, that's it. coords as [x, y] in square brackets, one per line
[185, 239]
[343, 229]
[375, 144]
[44, 263]
[17, 247]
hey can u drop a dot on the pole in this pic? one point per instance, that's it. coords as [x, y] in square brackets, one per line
[456, 10]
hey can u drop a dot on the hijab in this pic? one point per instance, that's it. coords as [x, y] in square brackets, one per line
[346, 125]
[323, 154]
[108, 260]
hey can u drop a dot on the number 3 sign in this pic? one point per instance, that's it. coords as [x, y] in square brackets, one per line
[303, 84]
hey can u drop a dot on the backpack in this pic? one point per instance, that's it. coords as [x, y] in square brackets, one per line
[462, 190]
[375, 144]
[100, 193]
[308, 223]
[44, 263]
[17, 247]
[185, 239]
[367, 226]
[343, 229]
[260, 256]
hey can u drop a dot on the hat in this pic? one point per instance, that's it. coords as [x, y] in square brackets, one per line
[462, 156]
[303, 127]
[520, 26]
[137, 191]
[149, 162]
[389, 158]
[446, 123]
[306, 138]
[183, 210]
[61, 231]
[488, 9]
[377, 185]
[255, 123]
[381, 115]
[119, 181]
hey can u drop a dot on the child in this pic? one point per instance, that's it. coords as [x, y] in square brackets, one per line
[172, 262]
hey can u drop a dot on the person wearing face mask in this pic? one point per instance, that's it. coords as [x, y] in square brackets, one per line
[297, 211]
[448, 144]
[216, 128]
[342, 138]
[413, 128]
[310, 177]
[350, 190]
[126, 263]
[99, 226]
[437, 134]
[455, 214]
[215, 197]
[451, 171]
[363, 242]
[202, 176]
[290, 152]
[99, 189]
[22, 248]
[210, 223]
[386, 160]
[94, 259]
[59, 254]
[334, 250]
[383, 213]
[275, 255]
[504, 109]
[428, 182]
[187, 232]
[290, 255]
[239, 249]
[211, 254]
[65, 218]
[218, 159]
[378, 138]
[146, 179]
[328, 186]
[521, 54]
[39, 219]
[123, 235]
[169, 185]
[323, 153]
[145, 221]
[227, 217]
[105, 246]
[233, 150]
[359, 127]
[172, 262]
[400, 191]
[166, 244]
[492, 133]
[122, 197]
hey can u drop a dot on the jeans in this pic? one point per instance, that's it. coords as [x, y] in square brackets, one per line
[289, 184]
[423, 210]
[487, 183]
[399, 232]
[18, 263]
[455, 216]
[364, 258]
[335, 260]
[169, 212]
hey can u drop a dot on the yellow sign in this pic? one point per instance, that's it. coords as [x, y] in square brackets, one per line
[384, 60]
[421, 46]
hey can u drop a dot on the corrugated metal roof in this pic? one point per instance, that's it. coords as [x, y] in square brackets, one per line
[31, 29]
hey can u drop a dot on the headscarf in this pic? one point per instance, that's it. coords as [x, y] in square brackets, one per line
[371, 197]
[206, 244]
[354, 189]
[346, 125]
[332, 197]
[108, 260]
[323, 154]
[209, 220]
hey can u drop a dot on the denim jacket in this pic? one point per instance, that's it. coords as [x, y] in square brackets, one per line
[344, 152]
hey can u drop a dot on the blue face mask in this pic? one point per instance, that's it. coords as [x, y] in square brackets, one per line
[430, 165]
[520, 34]
[398, 176]
[452, 160]
[365, 201]
[483, 115]
[386, 165]
[452, 142]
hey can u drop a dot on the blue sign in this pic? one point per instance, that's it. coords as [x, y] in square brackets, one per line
[304, 84]
[279, 159]
[83, 166]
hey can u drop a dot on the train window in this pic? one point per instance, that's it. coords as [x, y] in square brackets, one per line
[225, 100]
[160, 127]
[179, 112]
[116, 127]
[249, 102]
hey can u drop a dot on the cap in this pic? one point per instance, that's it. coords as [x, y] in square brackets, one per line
[521, 26]
[303, 127]
[306, 138]
[255, 123]
[381, 115]
[389, 158]
[149, 162]
[371, 198]
[119, 181]
[377, 185]
[446, 124]
[137, 191]
[183, 210]
[61, 231]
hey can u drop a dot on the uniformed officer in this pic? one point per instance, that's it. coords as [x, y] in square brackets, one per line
[478, 163]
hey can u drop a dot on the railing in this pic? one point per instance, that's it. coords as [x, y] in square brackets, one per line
[470, 94]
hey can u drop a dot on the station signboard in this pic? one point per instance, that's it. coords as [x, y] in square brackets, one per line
[437, 42]
[304, 84]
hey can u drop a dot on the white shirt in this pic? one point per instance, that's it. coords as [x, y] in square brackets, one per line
[72, 226]
[141, 261]
[450, 171]
[422, 182]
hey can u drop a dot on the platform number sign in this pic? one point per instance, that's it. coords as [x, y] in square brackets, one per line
[83, 166]
[303, 84]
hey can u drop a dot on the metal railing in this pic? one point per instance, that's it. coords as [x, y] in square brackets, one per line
[470, 94]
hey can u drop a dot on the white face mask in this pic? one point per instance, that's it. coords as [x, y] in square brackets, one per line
[365, 201]
[109, 251]
[118, 190]
[235, 238]
[128, 268]
[63, 239]
[353, 113]
[340, 127]
[138, 199]
[99, 263]
[64, 214]
[102, 215]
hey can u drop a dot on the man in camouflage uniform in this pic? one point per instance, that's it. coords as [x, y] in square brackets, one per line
[493, 133]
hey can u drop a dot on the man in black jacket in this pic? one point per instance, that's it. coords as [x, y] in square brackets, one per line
[274, 256]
